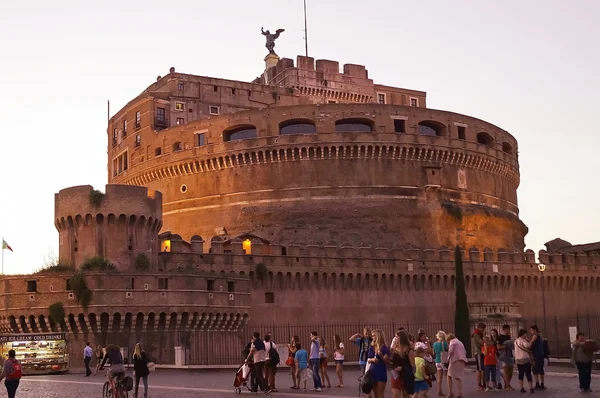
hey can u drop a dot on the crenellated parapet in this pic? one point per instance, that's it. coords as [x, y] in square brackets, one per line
[118, 225]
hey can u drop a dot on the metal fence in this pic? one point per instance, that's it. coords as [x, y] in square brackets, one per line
[224, 347]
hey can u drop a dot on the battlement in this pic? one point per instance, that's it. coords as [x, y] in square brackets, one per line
[255, 250]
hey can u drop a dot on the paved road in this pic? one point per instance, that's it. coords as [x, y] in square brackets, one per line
[207, 384]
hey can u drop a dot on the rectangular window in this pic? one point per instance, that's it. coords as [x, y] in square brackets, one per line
[200, 140]
[210, 285]
[231, 287]
[138, 119]
[270, 298]
[180, 121]
[380, 98]
[124, 127]
[233, 91]
[180, 86]
[68, 285]
[180, 106]
[31, 286]
[120, 163]
[462, 133]
[160, 113]
[216, 88]
[115, 135]
[414, 101]
[163, 283]
[399, 126]
[138, 140]
[213, 110]
[131, 284]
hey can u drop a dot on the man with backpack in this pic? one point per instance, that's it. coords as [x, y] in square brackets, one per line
[271, 362]
[506, 356]
[12, 371]
[363, 341]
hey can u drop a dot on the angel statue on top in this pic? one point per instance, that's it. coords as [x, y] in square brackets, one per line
[271, 39]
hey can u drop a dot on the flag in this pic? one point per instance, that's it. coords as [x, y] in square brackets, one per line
[6, 246]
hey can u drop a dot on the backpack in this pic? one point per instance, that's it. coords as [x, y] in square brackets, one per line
[546, 349]
[273, 356]
[17, 372]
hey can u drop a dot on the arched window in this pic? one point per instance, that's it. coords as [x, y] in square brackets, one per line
[431, 128]
[177, 146]
[506, 147]
[157, 151]
[353, 126]
[239, 133]
[485, 139]
[297, 126]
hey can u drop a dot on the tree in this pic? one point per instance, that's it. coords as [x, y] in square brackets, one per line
[461, 313]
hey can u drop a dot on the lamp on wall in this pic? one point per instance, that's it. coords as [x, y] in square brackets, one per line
[542, 269]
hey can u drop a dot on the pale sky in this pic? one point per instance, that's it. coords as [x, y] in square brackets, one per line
[530, 67]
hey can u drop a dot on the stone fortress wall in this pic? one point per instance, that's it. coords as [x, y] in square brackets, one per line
[393, 168]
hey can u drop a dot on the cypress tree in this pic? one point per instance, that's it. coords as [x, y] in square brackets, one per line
[461, 313]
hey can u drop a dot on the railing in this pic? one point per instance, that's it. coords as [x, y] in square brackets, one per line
[161, 122]
[224, 347]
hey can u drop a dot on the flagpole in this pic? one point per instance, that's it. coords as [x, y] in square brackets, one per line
[305, 31]
[3, 255]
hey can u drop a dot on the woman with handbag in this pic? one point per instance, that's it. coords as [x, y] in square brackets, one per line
[141, 370]
[291, 362]
[402, 364]
[524, 359]
[338, 356]
[379, 358]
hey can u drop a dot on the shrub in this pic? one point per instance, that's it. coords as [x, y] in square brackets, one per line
[96, 197]
[461, 312]
[453, 210]
[56, 268]
[142, 263]
[83, 295]
[57, 312]
[261, 271]
[97, 264]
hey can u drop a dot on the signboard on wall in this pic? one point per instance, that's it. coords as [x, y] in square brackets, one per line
[32, 337]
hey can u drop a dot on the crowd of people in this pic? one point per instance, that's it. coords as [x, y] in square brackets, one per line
[415, 362]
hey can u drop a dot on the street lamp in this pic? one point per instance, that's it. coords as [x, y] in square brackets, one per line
[542, 269]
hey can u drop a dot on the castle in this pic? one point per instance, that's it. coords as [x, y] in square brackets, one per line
[308, 195]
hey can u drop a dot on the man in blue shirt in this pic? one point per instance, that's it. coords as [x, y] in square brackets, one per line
[315, 361]
[537, 348]
[363, 341]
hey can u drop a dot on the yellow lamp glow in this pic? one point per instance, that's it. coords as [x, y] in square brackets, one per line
[247, 246]
[542, 267]
[165, 246]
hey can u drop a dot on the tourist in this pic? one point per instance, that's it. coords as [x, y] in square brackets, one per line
[494, 337]
[395, 339]
[523, 357]
[363, 341]
[440, 350]
[477, 337]
[292, 361]
[87, 358]
[490, 363]
[582, 357]
[421, 376]
[402, 364]
[457, 361]
[379, 358]
[315, 361]
[12, 371]
[99, 357]
[270, 366]
[140, 369]
[338, 357]
[506, 358]
[257, 355]
[537, 348]
[546, 350]
[323, 361]
[301, 360]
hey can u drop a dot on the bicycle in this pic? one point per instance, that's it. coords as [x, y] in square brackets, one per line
[117, 391]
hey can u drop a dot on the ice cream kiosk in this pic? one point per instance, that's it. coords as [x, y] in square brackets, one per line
[39, 353]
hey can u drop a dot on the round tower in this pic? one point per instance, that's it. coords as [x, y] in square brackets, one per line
[117, 225]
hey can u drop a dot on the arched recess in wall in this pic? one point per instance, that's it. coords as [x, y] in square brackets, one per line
[242, 132]
[484, 138]
[507, 148]
[158, 151]
[354, 125]
[177, 147]
[431, 128]
[297, 126]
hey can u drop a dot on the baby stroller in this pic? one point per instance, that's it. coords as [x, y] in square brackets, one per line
[241, 378]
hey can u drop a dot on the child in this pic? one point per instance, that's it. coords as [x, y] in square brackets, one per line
[301, 359]
[490, 362]
[421, 377]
